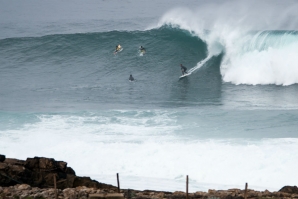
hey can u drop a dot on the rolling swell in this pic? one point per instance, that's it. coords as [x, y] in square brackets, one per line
[84, 67]
[162, 42]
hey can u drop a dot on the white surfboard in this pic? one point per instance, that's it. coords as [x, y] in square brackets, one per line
[199, 65]
[185, 75]
[115, 52]
[142, 52]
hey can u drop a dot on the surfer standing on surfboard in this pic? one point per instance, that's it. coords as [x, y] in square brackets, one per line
[183, 69]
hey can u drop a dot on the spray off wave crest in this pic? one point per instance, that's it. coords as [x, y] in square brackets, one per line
[251, 55]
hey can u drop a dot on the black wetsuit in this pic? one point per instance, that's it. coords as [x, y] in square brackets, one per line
[131, 78]
[183, 69]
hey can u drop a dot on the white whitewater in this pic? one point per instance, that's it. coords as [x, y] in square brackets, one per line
[199, 65]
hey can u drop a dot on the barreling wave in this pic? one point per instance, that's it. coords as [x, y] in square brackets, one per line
[250, 57]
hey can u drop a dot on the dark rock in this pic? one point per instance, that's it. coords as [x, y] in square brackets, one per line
[63, 183]
[13, 161]
[61, 165]
[47, 163]
[2, 158]
[36, 179]
[85, 181]
[16, 170]
[40, 172]
[38, 163]
[289, 189]
[48, 178]
[61, 175]
[32, 163]
[10, 174]
[69, 170]
[3, 166]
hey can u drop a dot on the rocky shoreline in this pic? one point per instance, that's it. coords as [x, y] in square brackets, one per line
[34, 178]
[24, 191]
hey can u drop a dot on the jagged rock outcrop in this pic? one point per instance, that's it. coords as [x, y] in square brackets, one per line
[34, 178]
[26, 191]
[40, 172]
[289, 189]
[2, 158]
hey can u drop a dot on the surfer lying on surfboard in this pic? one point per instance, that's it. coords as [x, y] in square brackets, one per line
[183, 69]
[118, 48]
[131, 78]
[142, 49]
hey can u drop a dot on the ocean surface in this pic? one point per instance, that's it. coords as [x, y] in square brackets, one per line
[64, 94]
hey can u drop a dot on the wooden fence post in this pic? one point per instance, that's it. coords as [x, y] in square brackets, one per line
[245, 192]
[55, 187]
[186, 186]
[128, 194]
[118, 183]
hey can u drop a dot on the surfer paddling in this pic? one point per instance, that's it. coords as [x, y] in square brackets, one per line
[118, 48]
[142, 49]
[183, 69]
[131, 78]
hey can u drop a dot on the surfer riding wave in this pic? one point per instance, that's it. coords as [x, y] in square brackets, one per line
[183, 69]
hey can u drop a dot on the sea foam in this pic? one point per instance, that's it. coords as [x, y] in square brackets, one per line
[149, 147]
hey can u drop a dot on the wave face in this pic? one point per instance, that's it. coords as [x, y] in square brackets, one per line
[73, 67]
[48, 67]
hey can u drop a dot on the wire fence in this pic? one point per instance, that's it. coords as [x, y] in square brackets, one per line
[166, 184]
[128, 190]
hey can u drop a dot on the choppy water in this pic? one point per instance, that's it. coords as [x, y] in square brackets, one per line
[64, 94]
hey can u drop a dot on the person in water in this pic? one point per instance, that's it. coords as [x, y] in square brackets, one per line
[118, 48]
[183, 69]
[131, 78]
[142, 49]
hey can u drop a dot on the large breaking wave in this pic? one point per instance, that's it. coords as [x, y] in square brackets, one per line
[252, 53]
